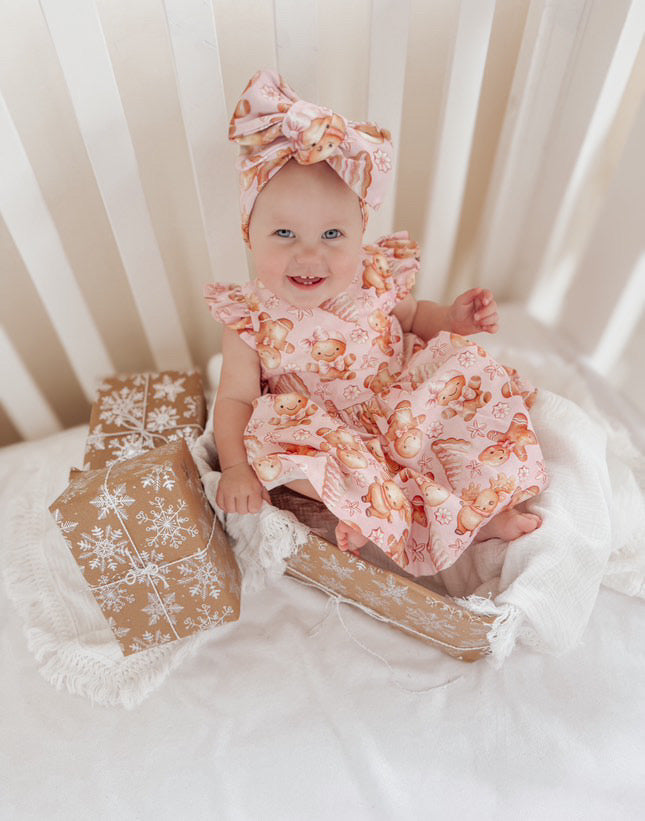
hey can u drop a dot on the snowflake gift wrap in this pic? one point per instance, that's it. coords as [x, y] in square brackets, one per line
[133, 414]
[149, 547]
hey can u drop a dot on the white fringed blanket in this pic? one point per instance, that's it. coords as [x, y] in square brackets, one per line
[593, 532]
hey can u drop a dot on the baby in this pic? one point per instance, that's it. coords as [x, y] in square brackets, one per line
[339, 384]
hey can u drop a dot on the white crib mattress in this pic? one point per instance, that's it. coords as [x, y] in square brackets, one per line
[268, 722]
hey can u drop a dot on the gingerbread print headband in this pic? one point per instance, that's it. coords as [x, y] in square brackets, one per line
[272, 125]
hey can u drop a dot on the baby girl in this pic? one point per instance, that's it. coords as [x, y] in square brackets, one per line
[339, 384]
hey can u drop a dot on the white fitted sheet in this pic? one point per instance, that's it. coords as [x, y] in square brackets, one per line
[265, 721]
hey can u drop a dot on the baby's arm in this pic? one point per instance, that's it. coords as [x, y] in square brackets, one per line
[239, 489]
[472, 312]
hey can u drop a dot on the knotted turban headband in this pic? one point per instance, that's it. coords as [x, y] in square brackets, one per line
[272, 125]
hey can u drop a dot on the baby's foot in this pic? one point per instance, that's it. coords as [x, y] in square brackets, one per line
[349, 537]
[508, 525]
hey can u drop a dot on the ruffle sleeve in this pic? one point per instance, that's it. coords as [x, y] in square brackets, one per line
[402, 258]
[232, 305]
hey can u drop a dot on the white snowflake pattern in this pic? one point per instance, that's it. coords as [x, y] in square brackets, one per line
[191, 407]
[436, 621]
[466, 359]
[333, 566]
[500, 410]
[106, 549]
[114, 597]
[162, 607]
[96, 438]
[118, 630]
[127, 447]
[168, 388]
[443, 516]
[162, 418]
[393, 591]
[64, 525]
[167, 525]
[382, 160]
[203, 577]
[149, 639]
[159, 476]
[123, 408]
[116, 501]
[206, 618]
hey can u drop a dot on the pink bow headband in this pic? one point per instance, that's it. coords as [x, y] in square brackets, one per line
[273, 125]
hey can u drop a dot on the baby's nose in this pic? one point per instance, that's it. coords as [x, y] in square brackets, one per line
[308, 255]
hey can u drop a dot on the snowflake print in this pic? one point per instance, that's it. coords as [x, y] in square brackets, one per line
[149, 639]
[96, 438]
[466, 359]
[477, 429]
[159, 476]
[474, 467]
[359, 335]
[162, 607]
[206, 618]
[494, 370]
[339, 572]
[500, 410]
[351, 506]
[119, 632]
[203, 577]
[392, 590]
[167, 525]
[106, 549]
[168, 388]
[64, 526]
[134, 444]
[162, 418]
[123, 408]
[191, 407]
[523, 473]
[443, 516]
[116, 502]
[435, 430]
[382, 160]
[114, 597]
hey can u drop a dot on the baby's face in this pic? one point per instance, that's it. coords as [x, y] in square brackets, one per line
[306, 233]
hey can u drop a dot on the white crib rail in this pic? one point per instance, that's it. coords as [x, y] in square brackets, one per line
[523, 170]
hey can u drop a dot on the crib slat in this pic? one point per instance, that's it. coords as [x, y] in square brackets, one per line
[549, 41]
[198, 71]
[622, 322]
[458, 126]
[296, 44]
[388, 52]
[29, 411]
[85, 62]
[606, 135]
[26, 214]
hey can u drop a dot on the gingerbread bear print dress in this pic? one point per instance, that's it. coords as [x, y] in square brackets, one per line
[417, 444]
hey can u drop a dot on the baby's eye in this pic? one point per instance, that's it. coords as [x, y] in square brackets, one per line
[332, 233]
[285, 233]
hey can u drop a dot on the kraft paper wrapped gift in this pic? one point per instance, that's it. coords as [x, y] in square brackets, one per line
[133, 414]
[369, 583]
[150, 549]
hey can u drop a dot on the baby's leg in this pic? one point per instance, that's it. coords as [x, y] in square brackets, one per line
[508, 525]
[348, 537]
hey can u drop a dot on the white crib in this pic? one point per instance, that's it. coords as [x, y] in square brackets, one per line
[519, 128]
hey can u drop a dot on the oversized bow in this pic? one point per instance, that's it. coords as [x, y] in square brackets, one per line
[272, 124]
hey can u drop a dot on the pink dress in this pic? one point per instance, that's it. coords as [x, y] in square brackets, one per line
[416, 444]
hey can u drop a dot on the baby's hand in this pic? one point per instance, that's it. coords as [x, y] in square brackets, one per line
[240, 491]
[474, 311]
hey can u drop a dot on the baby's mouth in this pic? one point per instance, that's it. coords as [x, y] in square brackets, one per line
[306, 282]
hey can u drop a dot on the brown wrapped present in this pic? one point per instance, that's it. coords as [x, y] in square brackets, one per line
[150, 548]
[372, 584]
[133, 414]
